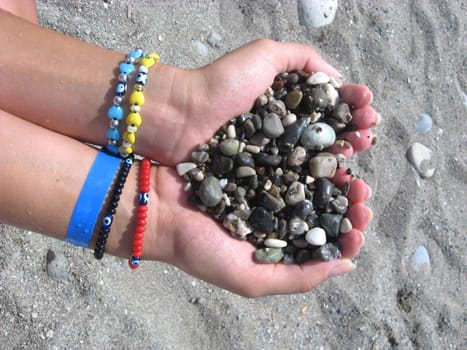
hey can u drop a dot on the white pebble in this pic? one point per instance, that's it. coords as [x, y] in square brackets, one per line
[183, 168]
[231, 132]
[346, 225]
[275, 243]
[420, 157]
[316, 236]
[318, 78]
[316, 13]
[421, 259]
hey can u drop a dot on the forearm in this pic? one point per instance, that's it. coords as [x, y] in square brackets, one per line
[42, 176]
[67, 85]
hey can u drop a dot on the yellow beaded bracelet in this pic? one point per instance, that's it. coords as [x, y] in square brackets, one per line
[133, 119]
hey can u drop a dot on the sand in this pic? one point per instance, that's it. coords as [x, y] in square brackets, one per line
[412, 55]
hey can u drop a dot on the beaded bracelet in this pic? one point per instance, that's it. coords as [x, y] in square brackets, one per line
[115, 112]
[143, 201]
[112, 207]
[133, 119]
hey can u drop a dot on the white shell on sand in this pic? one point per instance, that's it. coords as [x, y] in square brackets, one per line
[316, 13]
[420, 157]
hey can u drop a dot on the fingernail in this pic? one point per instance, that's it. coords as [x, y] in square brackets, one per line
[342, 269]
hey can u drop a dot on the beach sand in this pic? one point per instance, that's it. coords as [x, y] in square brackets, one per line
[412, 56]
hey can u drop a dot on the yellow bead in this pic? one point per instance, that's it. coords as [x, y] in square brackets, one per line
[129, 137]
[150, 59]
[137, 98]
[133, 118]
[138, 87]
[124, 151]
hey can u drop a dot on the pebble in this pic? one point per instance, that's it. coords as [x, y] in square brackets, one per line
[420, 157]
[267, 159]
[200, 47]
[271, 202]
[244, 159]
[323, 193]
[323, 165]
[276, 107]
[331, 223]
[421, 259]
[316, 13]
[292, 135]
[342, 113]
[275, 243]
[229, 147]
[297, 226]
[295, 193]
[340, 204]
[210, 191]
[424, 123]
[289, 119]
[318, 78]
[316, 100]
[57, 266]
[318, 136]
[333, 95]
[214, 39]
[346, 225]
[297, 156]
[272, 126]
[293, 99]
[245, 171]
[303, 209]
[200, 157]
[221, 165]
[269, 255]
[183, 168]
[261, 220]
[316, 236]
[327, 252]
[235, 224]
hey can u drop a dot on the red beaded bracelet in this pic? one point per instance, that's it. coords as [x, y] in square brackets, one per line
[143, 201]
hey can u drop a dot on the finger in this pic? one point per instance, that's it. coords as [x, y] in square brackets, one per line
[360, 216]
[288, 279]
[356, 94]
[351, 243]
[365, 117]
[360, 139]
[342, 147]
[342, 177]
[359, 191]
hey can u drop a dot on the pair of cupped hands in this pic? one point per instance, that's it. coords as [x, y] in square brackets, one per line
[197, 244]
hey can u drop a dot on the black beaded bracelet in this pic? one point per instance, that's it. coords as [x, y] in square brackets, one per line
[117, 189]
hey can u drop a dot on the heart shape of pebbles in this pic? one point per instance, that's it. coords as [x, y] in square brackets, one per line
[267, 174]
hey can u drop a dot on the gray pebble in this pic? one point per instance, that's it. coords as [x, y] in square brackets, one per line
[340, 204]
[269, 255]
[272, 125]
[259, 139]
[318, 78]
[327, 252]
[331, 223]
[297, 226]
[303, 209]
[210, 191]
[292, 134]
[342, 113]
[214, 39]
[245, 171]
[267, 159]
[277, 107]
[261, 220]
[297, 156]
[200, 157]
[200, 47]
[237, 225]
[221, 165]
[183, 168]
[271, 202]
[57, 266]
[323, 193]
[229, 147]
[244, 159]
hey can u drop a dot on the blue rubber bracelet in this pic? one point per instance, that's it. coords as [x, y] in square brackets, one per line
[91, 199]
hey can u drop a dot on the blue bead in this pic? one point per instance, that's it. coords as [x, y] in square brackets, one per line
[120, 89]
[115, 112]
[113, 149]
[112, 134]
[134, 261]
[141, 78]
[107, 220]
[137, 53]
[127, 68]
[128, 162]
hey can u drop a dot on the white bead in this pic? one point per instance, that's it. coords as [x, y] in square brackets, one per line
[316, 236]
[126, 144]
[113, 123]
[117, 100]
[123, 77]
[135, 108]
[143, 69]
[132, 129]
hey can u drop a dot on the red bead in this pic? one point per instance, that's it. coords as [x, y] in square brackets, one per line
[142, 208]
[140, 228]
[138, 236]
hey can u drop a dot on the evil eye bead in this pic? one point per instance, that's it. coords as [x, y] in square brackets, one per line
[136, 53]
[132, 128]
[115, 112]
[120, 89]
[129, 161]
[107, 220]
[143, 198]
[141, 78]
[137, 98]
[143, 69]
[134, 262]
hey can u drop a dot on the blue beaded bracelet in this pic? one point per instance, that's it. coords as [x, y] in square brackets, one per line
[116, 112]
[91, 199]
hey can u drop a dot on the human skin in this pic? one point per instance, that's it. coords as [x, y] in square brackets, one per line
[184, 109]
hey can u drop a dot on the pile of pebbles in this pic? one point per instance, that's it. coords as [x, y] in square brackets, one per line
[266, 174]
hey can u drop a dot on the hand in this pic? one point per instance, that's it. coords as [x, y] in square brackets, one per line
[197, 244]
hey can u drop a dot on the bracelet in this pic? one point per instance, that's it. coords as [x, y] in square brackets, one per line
[115, 112]
[133, 120]
[143, 201]
[90, 200]
[112, 207]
